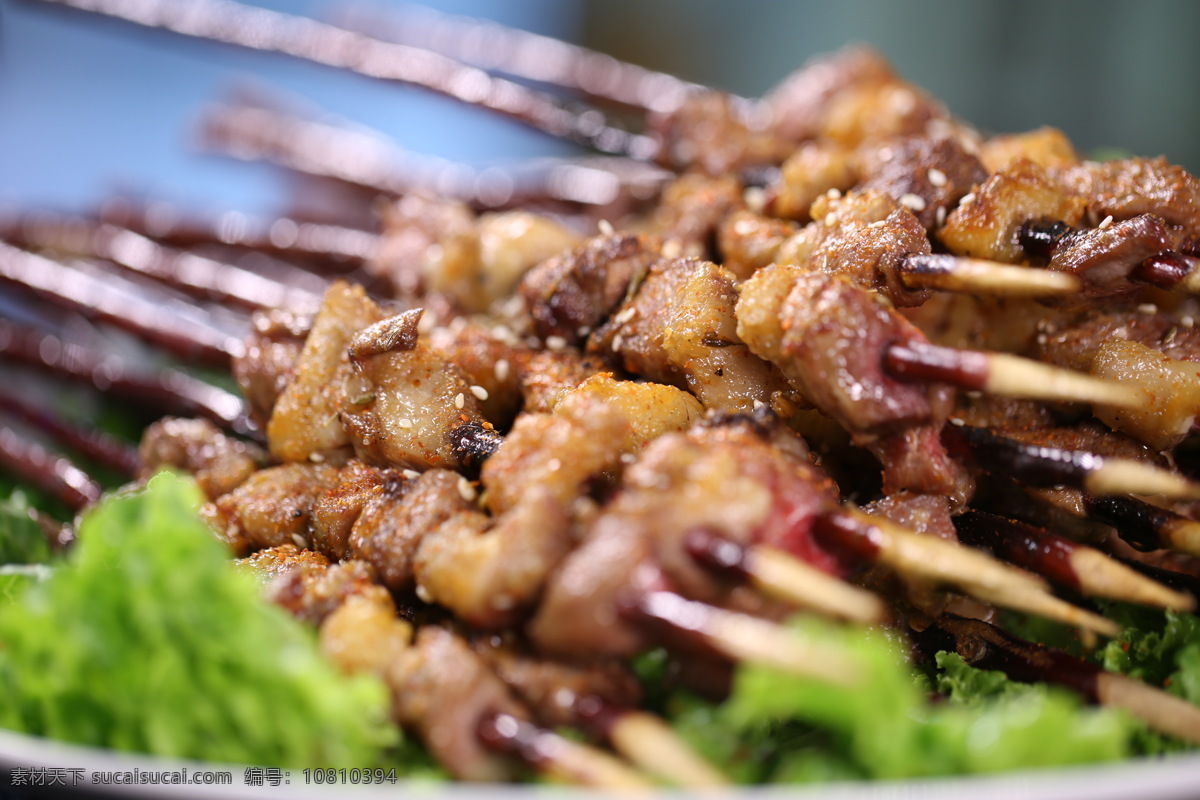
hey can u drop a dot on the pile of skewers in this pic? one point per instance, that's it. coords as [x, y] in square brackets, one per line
[831, 349]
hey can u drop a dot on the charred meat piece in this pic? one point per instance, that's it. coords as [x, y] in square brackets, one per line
[926, 175]
[571, 294]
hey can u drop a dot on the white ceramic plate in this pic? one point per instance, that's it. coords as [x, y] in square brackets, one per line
[1174, 778]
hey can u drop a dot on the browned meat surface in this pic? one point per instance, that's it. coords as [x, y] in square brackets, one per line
[313, 592]
[546, 375]
[811, 171]
[583, 439]
[404, 404]
[571, 294]
[1126, 187]
[1074, 343]
[305, 421]
[878, 110]
[680, 329]
[987, 223]
[442, 689]
[926, 175]
[269, 360]
[411, 226]
[927, 514]
[801, 100]
[828, 337]
[336, 510]
[914, 460]
[394, 521]
[716, 134]
[488, 356]
[219, 463]
[477, 266]
[1103, 258]
[690, 209]
[1047, 147]
[1156, 351]
[271, 562]
[861, 237]
[578, 616]
[272, 507]
[556, 690]
[489, 572]
[364, 634]
[745, 483]
[749, 241]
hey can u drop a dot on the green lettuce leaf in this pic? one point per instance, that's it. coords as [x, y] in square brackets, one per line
[21, 538]
[146, 639]
[885, 726]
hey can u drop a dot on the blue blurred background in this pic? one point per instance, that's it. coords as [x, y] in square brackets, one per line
[91, 107]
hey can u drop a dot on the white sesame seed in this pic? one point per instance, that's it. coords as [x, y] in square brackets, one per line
[423, 594]
[834, 193]
[940, 216]
[830, 219]
[411, 474]
[1187, 321]
[466, 490]
[404, 422]
[758, 404]
[1104, 223]
[672, 248]
[624, 315]
[554, 465]
[582, 331]
[316, 458]
[459, 400]
[755, 198]
[879, 223]
[479, 392]
[1147, 308]
[300, 541]
[913, 202]
[956, 422]
[501, 369]
[616, 343]
[606, 227]
[967, 199]
[937, 177]
[556, 342]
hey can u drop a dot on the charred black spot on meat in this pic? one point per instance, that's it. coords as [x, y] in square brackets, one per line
[1038, 239]
[472, 443]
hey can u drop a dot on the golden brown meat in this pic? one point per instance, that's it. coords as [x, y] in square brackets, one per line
[219, 463]
[305, 422]
[272, 507]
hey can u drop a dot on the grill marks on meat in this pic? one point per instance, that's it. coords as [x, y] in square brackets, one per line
[680, 329]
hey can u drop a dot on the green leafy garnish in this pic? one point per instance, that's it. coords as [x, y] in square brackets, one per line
[21, 538]
[146, 639]
[777, 726]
